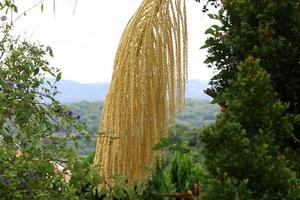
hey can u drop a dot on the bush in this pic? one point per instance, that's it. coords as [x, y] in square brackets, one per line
[175, 175]
[267, 30]
[243, 148]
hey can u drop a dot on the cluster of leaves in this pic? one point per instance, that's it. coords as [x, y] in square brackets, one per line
[242, 149]
[177, 174]
[252, 150]
[267, 30]
[29, 117]
[89, 185]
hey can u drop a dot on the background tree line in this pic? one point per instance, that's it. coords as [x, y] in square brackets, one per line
[196, 113]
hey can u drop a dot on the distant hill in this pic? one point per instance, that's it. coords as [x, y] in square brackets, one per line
[196, 113]
[72, 91]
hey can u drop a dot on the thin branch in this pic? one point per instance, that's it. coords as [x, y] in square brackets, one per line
[54, 7]
[29, 9]
[74, 9]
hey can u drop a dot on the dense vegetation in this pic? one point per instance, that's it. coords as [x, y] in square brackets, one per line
[252, 151]
[31, 154]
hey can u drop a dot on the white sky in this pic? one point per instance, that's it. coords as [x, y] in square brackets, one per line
[85, 43]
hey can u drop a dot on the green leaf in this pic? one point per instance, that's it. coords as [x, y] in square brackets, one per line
[163, 143]
[58, 76]
[103, 191]
[50, 51]
[96, 180]
[130, 193]
[221, 11]
[118, 191]
[213, 16]
[205, 46]
[208, 61]
[215, 27]
[15, 9]
[210, 31]
[36, 71]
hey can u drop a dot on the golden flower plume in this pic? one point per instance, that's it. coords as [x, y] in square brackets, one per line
[147, 88]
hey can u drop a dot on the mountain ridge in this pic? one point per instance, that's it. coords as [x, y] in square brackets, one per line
[73, 91]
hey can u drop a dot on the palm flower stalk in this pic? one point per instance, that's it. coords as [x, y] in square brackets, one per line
[146, 91]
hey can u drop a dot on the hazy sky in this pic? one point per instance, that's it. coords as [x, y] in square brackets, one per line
[85, 43]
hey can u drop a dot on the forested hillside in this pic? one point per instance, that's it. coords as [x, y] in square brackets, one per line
[195, 114]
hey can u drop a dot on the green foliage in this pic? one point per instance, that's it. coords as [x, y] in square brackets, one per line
[252, 151]
[88, 113]
[197, 113]
[37, 133]
[178, 174]
[166, 143]
[267, 30]
[181, 172]
[244, 149]
[85, 177]
[87, 184]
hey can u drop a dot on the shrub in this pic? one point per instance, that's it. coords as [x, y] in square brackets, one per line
[242, 149]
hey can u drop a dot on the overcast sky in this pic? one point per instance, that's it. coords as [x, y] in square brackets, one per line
[85, 43]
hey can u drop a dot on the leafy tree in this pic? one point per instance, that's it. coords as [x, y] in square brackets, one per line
[36, 132]
[269, 30]
[242, 149]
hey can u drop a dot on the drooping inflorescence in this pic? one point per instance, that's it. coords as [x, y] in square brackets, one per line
[147, 88]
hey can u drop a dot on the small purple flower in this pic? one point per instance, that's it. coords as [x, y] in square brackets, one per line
[78, 117]
[47, 141]
[70, 113]
[34, 175]
[4, 18]
[6, 180]
[62, 131]
[22, 181]
[20, 85]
